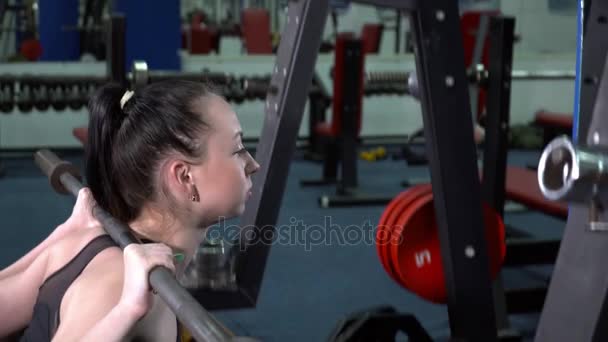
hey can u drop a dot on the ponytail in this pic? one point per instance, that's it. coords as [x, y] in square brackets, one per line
[106, 118]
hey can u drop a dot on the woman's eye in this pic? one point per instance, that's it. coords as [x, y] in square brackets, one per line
[241, 151]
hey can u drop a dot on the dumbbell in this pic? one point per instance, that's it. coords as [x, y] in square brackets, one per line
[384, 87]
[73, 95]
[369, 88]
[374, 83]
[226, 92]
[375, 154]
[24, 97]
[247, 89]
[238, 95]
[86, 90]
[40, 95]
[217, 78]
[57, 96]
[7, 99]
[256, 87]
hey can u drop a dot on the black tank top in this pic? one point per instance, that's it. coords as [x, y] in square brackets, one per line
[45, 318]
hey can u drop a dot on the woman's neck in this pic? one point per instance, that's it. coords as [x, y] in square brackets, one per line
[181, 236]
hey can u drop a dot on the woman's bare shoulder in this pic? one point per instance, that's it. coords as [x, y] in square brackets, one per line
[100, 283]
[65, 249]
[106, 261]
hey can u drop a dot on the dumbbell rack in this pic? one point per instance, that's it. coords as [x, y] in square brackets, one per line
[27, 92]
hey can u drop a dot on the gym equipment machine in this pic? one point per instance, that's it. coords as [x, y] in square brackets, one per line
[574, 171]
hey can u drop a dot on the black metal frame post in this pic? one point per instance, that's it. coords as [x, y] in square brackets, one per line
[577, 301]
[520, 251]
[291, 79]
[316, 113]
[115, 49]
[453, 165]
[498, 108]
[501, 35]
[351, 105]
[592, 63]
[318, 102]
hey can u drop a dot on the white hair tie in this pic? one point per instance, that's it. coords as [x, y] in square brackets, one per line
[126, 97]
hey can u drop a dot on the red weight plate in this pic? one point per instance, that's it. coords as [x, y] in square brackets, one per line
[411, 195]
[405, 235]
[381, 236]
[416, 259]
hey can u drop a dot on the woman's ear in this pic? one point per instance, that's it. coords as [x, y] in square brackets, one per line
[180, 172]
[176, 175]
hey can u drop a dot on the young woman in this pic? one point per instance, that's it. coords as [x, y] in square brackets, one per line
[169, 161]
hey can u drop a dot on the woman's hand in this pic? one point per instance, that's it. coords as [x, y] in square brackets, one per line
[139, 260]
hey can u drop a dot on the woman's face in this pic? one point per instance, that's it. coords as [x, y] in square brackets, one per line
[223, 180]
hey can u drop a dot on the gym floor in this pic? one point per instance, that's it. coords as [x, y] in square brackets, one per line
[306, 290]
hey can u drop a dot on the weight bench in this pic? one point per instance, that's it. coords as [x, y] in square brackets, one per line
[553, 124]
[522, 186]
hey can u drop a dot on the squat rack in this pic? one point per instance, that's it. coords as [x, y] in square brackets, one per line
[451, 151]
[576, 302]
